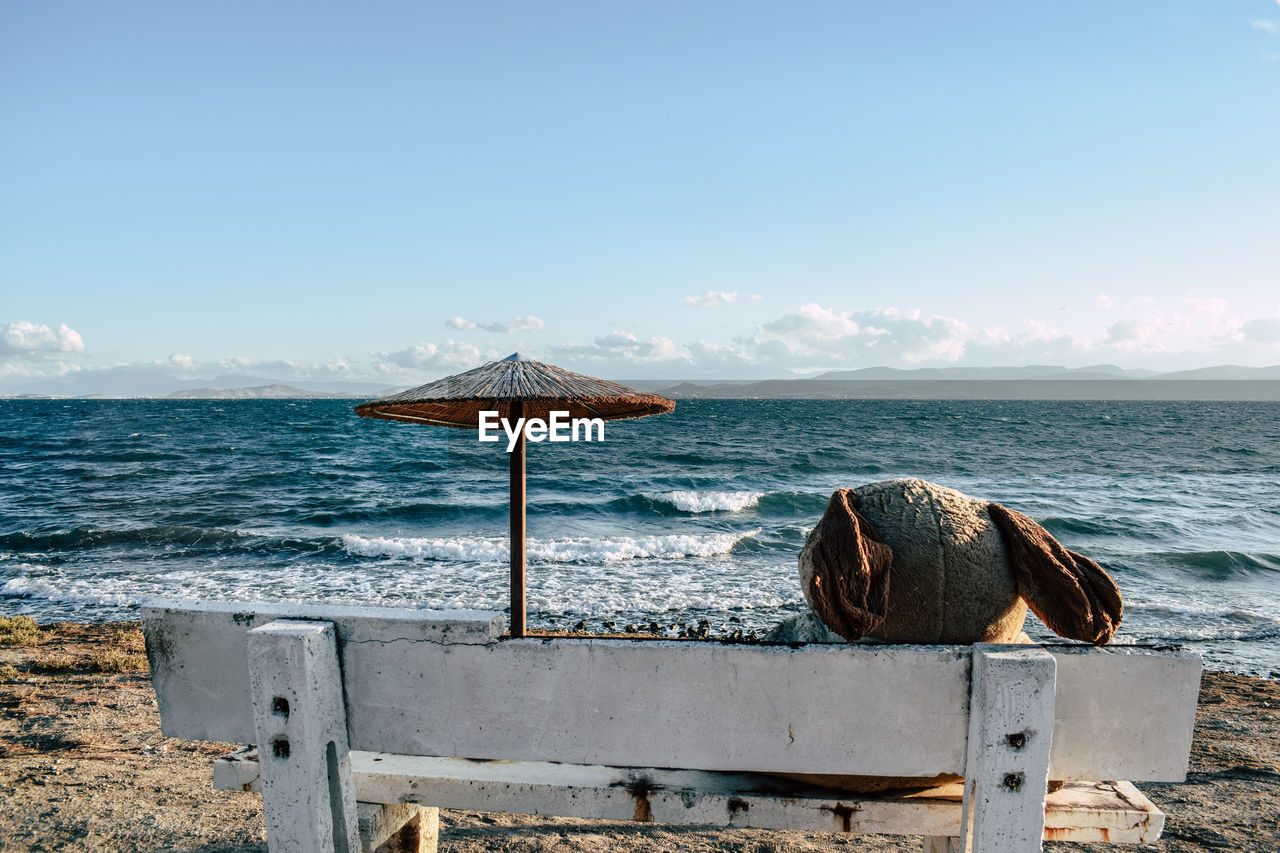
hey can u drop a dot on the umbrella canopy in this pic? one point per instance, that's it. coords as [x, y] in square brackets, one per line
[515, 387]
[456, 401]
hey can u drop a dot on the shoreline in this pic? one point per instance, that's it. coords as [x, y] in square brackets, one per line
[83, 766]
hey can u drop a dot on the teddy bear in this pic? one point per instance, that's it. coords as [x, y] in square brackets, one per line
[908, 561]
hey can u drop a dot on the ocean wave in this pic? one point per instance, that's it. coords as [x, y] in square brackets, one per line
[1102, 526]
[166, 535]
[1159, 620]
[675, 503]
[93, 537]
[38, 588]
[1209, 633]
[404, 513]
[569, 550]
[1239, 451]
[114, 456]
[558, 593]
[1223, 563]
[689, 501]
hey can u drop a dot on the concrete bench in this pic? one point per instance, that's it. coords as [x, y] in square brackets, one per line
[361, 715]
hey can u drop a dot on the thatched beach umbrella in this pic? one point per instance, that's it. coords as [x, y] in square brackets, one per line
[515, 388]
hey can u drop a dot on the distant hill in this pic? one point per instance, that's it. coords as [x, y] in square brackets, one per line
[1022, 382]
[984, 389]
[1027, 372]
[144, 382]
[261, 392]
[1225, 371]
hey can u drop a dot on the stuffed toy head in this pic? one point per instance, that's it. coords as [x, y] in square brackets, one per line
[908, 561]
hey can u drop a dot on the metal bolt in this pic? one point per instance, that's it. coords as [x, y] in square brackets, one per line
[280, 747]
[280, 706]
[1017, 740]
[1013, 781]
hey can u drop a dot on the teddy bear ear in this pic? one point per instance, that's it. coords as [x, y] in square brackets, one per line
[849, 585]
[1070, 593]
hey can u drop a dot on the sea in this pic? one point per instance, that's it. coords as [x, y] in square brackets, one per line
[690, 522]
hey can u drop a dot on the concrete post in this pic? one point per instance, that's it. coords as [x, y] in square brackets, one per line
[1007, 759]
[307, 793]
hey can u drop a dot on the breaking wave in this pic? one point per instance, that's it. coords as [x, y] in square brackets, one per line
[568, 550]
[689, 501]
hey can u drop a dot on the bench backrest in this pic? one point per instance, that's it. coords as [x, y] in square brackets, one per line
[449, 684]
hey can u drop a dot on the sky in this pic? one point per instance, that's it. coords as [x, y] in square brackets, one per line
[395, 191]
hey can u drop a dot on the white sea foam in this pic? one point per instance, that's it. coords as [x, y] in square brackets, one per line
[28, 587]
[570, 550]
[1164, 609]
[688, 501]
[77, 593]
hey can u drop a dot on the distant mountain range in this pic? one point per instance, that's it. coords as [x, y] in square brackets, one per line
[982, 389]
[1101, 381]
[1030, 382]
[1035, 372]
[261, 392]
[136, 382]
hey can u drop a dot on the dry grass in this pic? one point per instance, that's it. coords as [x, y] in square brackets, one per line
[116, 661]
[18, 631]
[19, 697]
[110, 661]
[55, 665]
[8, 672]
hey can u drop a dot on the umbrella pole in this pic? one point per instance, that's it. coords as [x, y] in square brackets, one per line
[517, 525]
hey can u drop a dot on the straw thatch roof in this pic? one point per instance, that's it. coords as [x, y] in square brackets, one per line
[456, 401]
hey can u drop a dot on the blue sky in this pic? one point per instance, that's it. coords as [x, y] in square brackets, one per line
[395, 191]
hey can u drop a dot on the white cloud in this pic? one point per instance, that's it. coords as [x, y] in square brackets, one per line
[1189, 324]
[1267, 25]
[1262, 331]
[623, 346]
[20, 371]
[815, 323]
[1158, 333]
[450, 355]
[712, 298]
[32, 340]
[877, 335]
[523, 323]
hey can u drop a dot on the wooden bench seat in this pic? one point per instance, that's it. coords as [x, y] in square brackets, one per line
[1080, 811]
[389, 706]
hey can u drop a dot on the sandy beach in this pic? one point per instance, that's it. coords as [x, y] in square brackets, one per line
[83, 766]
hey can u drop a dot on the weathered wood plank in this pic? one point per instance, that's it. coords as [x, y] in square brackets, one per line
[308, 797]
[199, 655]
[1081, 811]
[882, 710]
[418, 684]
[1123, 713]
[1010, 731]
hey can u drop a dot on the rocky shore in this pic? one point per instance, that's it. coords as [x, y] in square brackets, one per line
[84, 767]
